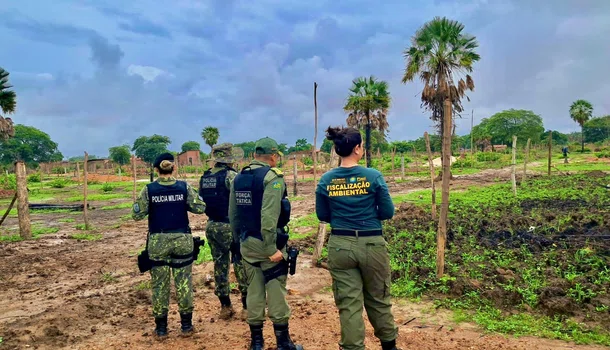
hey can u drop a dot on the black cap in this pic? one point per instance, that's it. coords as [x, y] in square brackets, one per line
[162, 157]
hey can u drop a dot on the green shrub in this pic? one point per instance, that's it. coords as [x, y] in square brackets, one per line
[488, 156]
[34, 177]
[307, 161]
[107, 187]
[8, 182]
[463, 163]
[603, 154]
[59, 183]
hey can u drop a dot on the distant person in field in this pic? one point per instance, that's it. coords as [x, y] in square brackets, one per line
[354, 200]
[214, 188]
[170, 243]
[565, 153]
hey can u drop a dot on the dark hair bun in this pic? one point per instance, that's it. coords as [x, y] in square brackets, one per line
[345, 139]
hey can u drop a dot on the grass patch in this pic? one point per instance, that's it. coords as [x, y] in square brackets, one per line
[118, 206]
[521, 324]
[205, 255]
[10, 238]
[39, 231]
[108, 277]
[66, 220]
[144, 285]
[98, 197]
[310, 220]
[87, 236]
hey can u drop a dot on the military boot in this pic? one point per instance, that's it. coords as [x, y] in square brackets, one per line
[283, 338]
[161, 323]
[389, 345]
[258, 342]
[186, 322]
[226, 309]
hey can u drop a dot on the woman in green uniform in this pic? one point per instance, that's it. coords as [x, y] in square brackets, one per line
[354, 200]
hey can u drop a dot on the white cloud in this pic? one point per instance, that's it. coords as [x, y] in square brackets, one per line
[148, 73]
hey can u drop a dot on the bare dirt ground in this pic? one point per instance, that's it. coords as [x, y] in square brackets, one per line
[61, 293]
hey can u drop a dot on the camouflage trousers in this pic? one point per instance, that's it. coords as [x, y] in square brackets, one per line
[219, 237]
[161, 247]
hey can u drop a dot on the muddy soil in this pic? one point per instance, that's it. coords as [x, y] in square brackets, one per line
[61, 293]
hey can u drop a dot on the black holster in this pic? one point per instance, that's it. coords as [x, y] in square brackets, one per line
[281, 269]
[293, 253]
[145, 264]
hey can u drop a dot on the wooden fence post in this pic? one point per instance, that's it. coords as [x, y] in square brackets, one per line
[393, 159]
[295, 175]
[402, 166]
[432, 175]
[525, 159]
[135, 175]
[514, 166]
[23, 210]
[319, 243]
[315, 134]
[550, 151]
[85, 171]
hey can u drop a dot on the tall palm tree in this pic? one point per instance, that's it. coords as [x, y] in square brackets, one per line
[440, 55]
[368, 105]
[210, 135]
[8, 103]
[581, 111]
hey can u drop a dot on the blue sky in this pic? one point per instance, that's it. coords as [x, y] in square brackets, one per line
[99, 73]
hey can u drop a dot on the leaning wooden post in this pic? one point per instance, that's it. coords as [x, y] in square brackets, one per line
[23, 210]
[393, 158]
[514, 166]
[78, 172]
[319, 243]
[85, 170]
[432, 175]
[527, 154]
[295, 175]
[550, 151]
[315, 133]
[10, 207]
[135, 175]
[402, 166]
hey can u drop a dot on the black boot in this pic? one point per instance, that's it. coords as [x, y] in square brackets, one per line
[161, 329]
[258, 342]
[186, 322]
[389, 345]
[283, 338]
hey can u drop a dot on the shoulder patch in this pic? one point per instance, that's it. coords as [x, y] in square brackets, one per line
[277, 171]
[136, 208]
[277, 185]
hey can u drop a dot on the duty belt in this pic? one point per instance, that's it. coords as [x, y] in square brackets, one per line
[356, 233]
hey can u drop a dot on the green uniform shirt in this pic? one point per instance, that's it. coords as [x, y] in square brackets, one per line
[140, 208]
[254, 249]
[355, 198]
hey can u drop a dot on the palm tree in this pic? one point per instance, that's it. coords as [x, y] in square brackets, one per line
[210, 135]
[581, 111]
[440, 54]
[367, 106]
[8, 102]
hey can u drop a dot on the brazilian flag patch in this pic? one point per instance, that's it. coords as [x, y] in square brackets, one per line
[276, 185]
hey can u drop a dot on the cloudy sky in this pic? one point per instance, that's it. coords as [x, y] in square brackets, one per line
[99, 73]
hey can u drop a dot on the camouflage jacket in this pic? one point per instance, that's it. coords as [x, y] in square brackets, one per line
[140, 208]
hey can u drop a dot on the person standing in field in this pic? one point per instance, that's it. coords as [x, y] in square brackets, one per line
[354, 200]
[170, 243]
[214, 188]
[259, 210]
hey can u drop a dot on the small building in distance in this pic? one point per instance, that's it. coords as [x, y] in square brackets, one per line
[190, 158]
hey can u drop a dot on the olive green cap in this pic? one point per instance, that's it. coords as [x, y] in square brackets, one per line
[267, 145]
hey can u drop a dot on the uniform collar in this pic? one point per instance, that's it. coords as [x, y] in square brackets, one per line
[166, 180]
[258, 162]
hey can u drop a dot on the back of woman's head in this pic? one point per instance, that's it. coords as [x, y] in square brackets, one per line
[345, 139]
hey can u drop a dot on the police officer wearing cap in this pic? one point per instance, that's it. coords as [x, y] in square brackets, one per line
[170, 245]
[258, 211]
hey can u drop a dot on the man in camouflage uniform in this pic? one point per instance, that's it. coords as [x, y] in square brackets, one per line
[257, 207]
[214, 187]
[170, 243]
